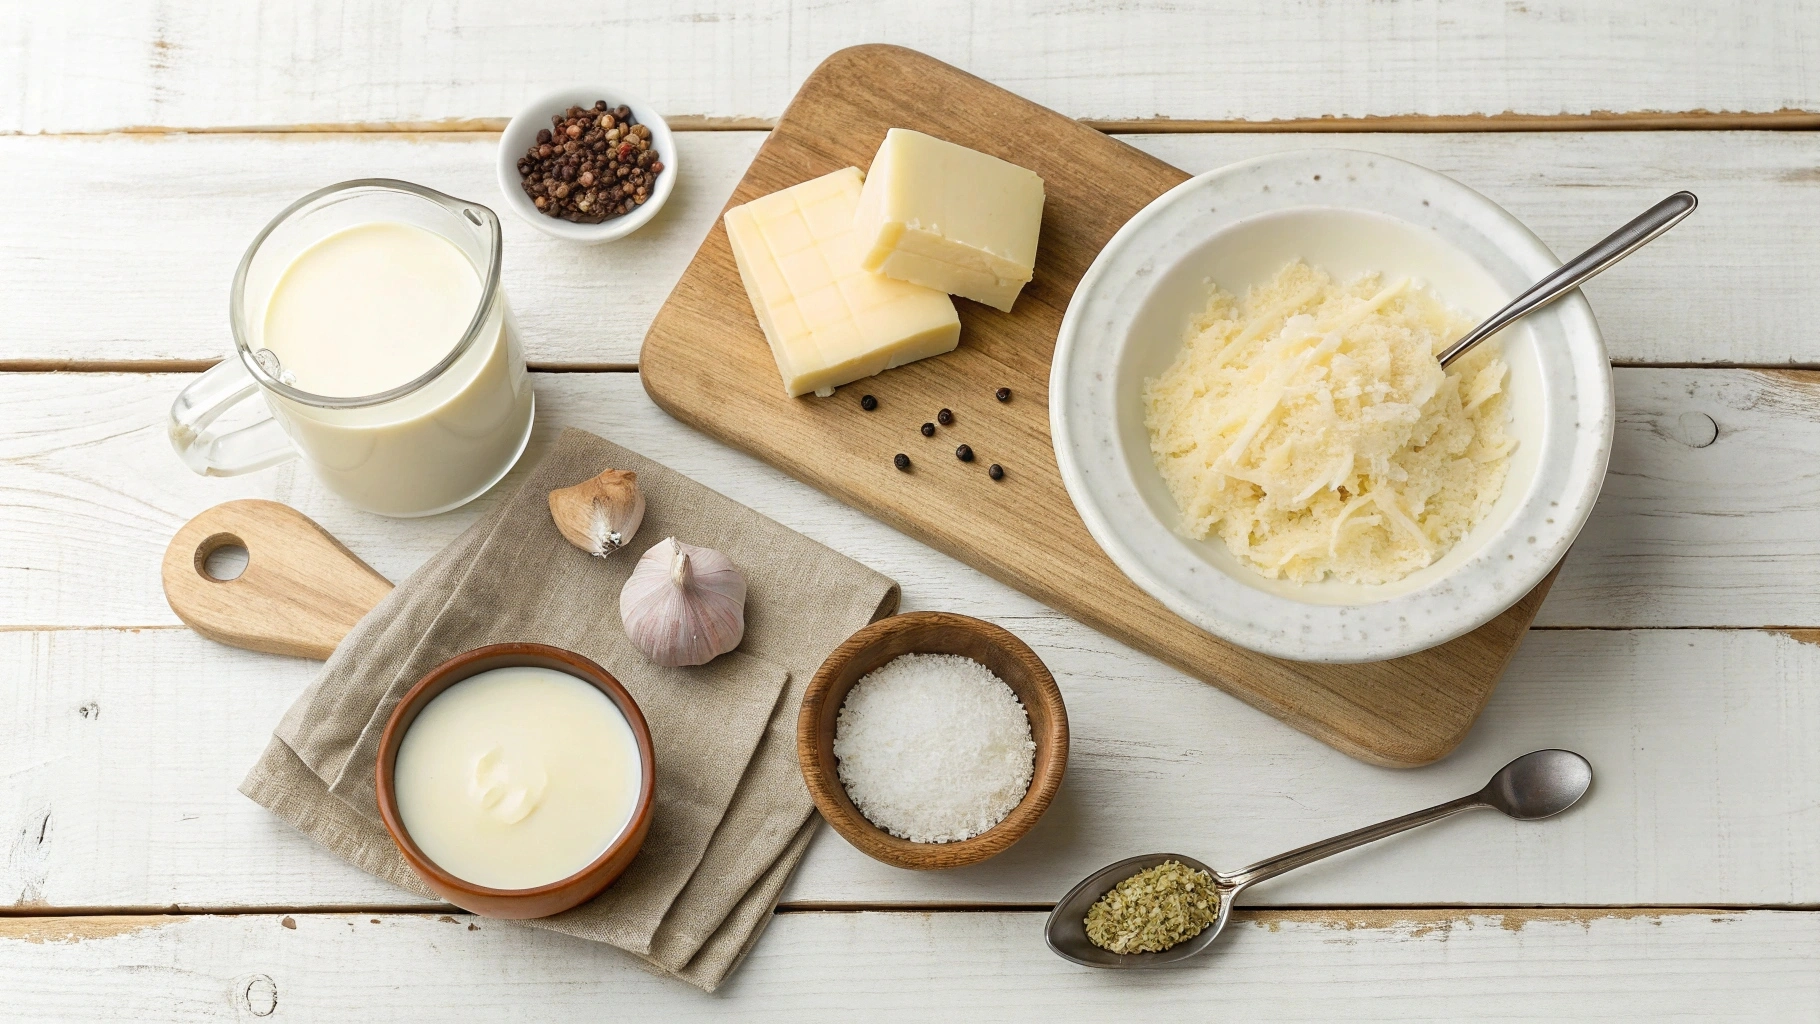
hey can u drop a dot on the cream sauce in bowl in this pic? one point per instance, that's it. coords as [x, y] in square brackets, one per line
[517, 777]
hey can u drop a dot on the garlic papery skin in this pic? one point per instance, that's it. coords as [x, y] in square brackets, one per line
[600, 514]
[684, 605]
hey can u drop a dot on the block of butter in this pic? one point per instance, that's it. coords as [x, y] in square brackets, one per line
[828, 320]
[947, 217]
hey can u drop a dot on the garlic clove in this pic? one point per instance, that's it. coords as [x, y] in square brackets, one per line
[599, 515]
[684, 605]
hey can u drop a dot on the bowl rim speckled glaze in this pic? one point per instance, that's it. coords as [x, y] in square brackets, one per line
[991, 645]
[522, 130]
[552, 897]
[1092, 389]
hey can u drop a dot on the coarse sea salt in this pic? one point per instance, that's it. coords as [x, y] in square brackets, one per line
[933, 748]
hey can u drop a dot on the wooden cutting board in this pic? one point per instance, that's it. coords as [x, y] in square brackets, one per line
[706, 362]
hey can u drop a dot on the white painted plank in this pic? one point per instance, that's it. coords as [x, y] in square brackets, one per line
[1725, 535]
[1732, 284]
[144, 238]
[155, 225]
[124, 751]
[90, 494]
[1719, 536]
[1620, 966]
[104, 65]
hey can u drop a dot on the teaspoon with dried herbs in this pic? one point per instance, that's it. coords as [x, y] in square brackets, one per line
[1537, 785]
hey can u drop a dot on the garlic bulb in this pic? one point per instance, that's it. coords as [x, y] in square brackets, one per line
[599, 515]
[684, 605]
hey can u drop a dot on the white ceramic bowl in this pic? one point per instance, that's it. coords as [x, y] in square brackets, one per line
[1347, 212]
[522, 130]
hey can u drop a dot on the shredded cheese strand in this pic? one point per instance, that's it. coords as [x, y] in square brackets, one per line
[1288, 413]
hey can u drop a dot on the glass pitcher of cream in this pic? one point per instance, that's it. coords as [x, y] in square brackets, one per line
[370, 317]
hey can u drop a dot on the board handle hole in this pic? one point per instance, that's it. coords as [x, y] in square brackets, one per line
[221, 557]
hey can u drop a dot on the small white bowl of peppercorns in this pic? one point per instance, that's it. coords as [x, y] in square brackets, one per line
[587, 165]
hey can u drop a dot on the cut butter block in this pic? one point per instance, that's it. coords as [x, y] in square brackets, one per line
[946, 217]
[829, 321]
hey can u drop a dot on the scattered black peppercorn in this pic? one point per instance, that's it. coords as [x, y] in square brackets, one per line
[996, 471]
[945, 417]
[928, 430]
[1003, 394]
[868, 403]
[964, 453]
[901, 461]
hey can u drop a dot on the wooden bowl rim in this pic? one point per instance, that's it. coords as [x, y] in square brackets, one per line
[471, 663]
[837, 807]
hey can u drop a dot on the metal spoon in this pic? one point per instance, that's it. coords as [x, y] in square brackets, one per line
[1570, 275]
[1536, 785]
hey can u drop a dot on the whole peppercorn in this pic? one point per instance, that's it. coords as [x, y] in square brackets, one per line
[928, 430]
[995, 471]
[603, 152]
[1003, 394]
[866, 402]
[964, 453]
[945, 417]
[901, 461]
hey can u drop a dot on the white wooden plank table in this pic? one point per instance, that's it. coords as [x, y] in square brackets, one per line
[142, 146]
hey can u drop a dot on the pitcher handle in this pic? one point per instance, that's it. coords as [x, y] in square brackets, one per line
[223, 386]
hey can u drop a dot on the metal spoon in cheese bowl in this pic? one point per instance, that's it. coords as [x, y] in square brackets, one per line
[1645, 228]
[1537, 785]
[1236, 229]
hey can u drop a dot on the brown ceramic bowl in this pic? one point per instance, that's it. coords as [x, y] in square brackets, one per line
[931, 633]
[554, 897]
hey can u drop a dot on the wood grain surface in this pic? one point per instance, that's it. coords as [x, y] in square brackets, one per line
[301, 590]
[103, 65]
[1741, 271]
[95, 496]
[120, 248]
[706, 362]
[1408, 966]
[1706, 743]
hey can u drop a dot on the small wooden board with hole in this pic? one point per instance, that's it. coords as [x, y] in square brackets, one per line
[706, 362]
[301, 590]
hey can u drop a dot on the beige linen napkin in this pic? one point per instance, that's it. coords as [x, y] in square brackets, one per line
[732, 817]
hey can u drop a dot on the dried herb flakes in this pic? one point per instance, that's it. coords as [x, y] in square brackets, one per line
[1153, 910]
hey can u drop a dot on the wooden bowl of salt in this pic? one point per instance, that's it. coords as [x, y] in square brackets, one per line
[879, 644]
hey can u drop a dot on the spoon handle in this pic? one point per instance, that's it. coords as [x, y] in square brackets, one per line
[1570, 275]
[1339, 844]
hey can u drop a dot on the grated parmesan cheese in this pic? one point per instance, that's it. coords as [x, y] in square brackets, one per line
[1312, 429]
[933, 748]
